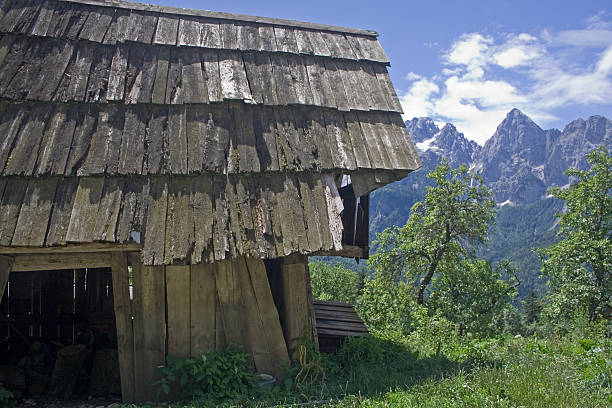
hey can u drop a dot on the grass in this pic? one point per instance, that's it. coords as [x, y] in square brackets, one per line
[398, 372]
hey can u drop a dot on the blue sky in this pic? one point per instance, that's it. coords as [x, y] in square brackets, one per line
[470, 62]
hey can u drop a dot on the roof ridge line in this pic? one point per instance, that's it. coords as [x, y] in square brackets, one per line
[222, 16]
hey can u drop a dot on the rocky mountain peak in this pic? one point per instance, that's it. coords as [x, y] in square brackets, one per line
[421, 129]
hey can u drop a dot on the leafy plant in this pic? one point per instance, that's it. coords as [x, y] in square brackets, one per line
[334, 282]
[213, 374]
[6, 398]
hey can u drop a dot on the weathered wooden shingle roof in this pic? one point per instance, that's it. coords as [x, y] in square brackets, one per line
[206, 134]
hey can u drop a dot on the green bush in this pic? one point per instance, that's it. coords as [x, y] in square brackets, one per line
[215, 375]
[6, 398]
[334, 282]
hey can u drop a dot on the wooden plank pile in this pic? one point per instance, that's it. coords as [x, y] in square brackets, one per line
[336, 321]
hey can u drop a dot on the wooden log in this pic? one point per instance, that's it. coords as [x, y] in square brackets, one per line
[73, 248]
[149, 326]
[6, 264]
[178, 298]
[123, 319]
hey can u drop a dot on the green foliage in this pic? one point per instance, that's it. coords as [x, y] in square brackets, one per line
[580, 264]
[334, 282]
[6, 398]
[385, 306]
[214, 375]
[455, 214]
[473, 295]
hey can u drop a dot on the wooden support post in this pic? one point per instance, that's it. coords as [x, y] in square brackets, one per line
[296, 302]
[149, 309]
[6, 264]
[123, 318]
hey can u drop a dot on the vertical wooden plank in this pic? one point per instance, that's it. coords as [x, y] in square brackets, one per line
[149, 325]
[267, 312]
[6, 263]
[178, 298]
[123, 319]
[230, 303]
[295, 305]
[203, 312]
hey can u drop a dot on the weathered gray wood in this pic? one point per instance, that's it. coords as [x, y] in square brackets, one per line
[132, 151]
[201, 203]
[148, 75]
[133, 78]
[99, 75]
[230, 305]
[123, 322]
[178, 283]
[193, 78]
[264, 128]
[321, 205]
[399, 127]
[226, 16]
[44, 19]
[282, 78]
[174, 89]
[5, 46]
[116, 77]
[356, 94]
[72, 248]
[6, 265]
[263, 219]
[246, 202]
[103, 154]
[334, 79]
[315, 123]
[338, 137]
[13, 60]
[267, 41]
[189, 32]
[134, 199]
[62, 211]
[50, 262]
[117, 29]
[155, 232]
[221, 243]
[179, 224]
[149, 309]
[234, 82]
[23, 156]
[235, 229]
[285, 39]
[96, 25]
[245, 139]
[48, 80]
[334, 209]
[344, 47]
[311, 213]
[217, 159]
[35, 213]
[84, 210]
[229, 35]
[379, 99]
[379, 158]
[79, 74]
[18, 86]
[356, 135]
[302, 37]
[319, 44]
[201, 132]
[371, 49]
[10, 122]
[203, 308]
[322, 92]
[12, 197]
[210, 64]
[147, 28]
[108, 210]
[158, 94]
[177, 139]
[167, 30]
[292, 218]
[387, 87]
[299, 81]
[20, 17]
[211, 37]
[86, 117]
[261, 78]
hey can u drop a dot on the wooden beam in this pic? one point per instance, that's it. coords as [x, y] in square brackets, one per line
[6, 264]
[91, 247]
[347, 251]
[123, 319]
[48, 262]
[178, 283]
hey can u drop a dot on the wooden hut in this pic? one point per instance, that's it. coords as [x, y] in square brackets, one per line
[167, 171]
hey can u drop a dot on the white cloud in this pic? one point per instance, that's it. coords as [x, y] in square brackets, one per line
[484, 77]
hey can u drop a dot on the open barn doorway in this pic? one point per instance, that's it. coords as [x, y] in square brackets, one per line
[58, 334]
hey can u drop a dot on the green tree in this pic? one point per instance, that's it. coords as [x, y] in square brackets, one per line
[474, 295]
[386, 306]
[532, 308]
[580, 264]
[334, 282]
[455, 214]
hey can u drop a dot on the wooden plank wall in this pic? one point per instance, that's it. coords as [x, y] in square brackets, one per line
[291, 281]
[211, 306]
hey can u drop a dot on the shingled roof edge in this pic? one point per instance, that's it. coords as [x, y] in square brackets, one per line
[222, 15]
